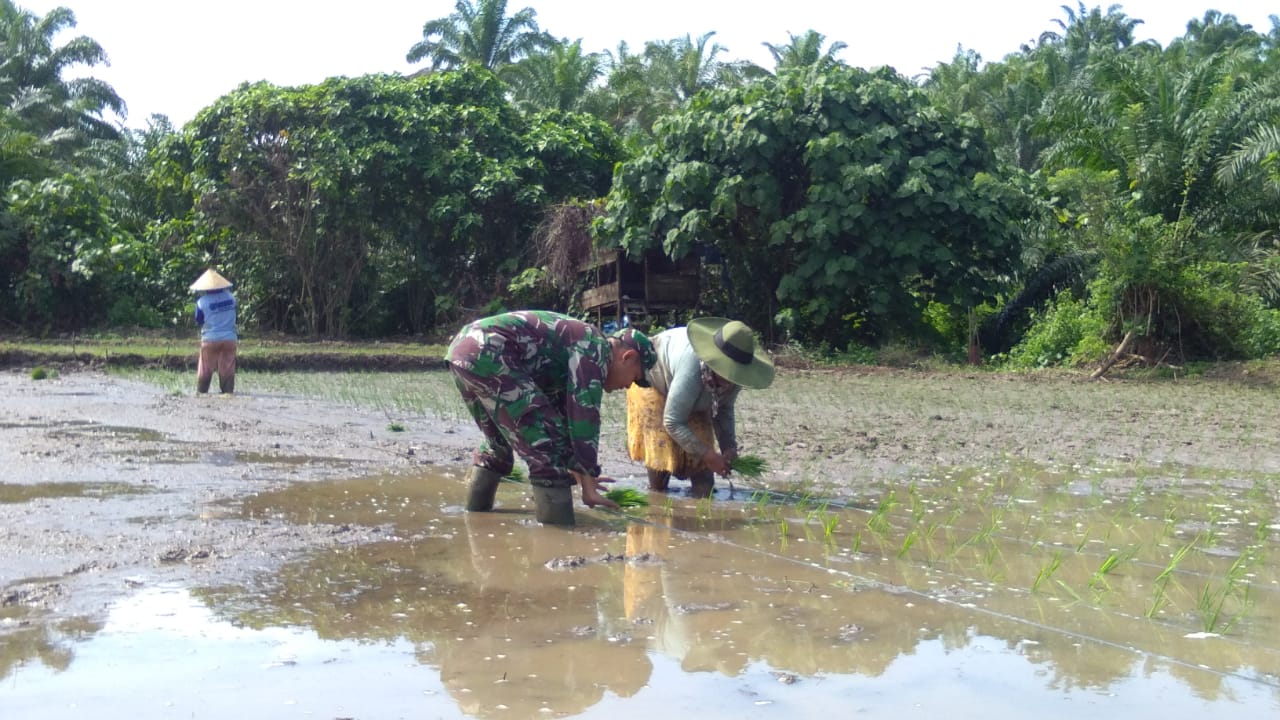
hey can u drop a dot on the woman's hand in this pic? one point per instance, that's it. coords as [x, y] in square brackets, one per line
[716, 462]
[593, 489]
[730, 455]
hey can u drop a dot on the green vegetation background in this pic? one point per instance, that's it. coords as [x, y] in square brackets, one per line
[1086, 194]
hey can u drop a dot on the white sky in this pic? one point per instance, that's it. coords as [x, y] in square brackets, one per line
[177, 56]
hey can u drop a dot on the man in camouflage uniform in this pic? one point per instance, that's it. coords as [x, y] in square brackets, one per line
[533, 380]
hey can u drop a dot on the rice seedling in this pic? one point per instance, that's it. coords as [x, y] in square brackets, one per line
[1159, 600]
[907, 542]
[1170, 521]
[1099, 576]
[879, 520]
[988, 528]
[627, 497]
[1178, 556]
[1210, 605]
[930, 530]
[395, 427]
[918, 508]
[1262, 531]
[1067, 589]
[703, 508]
[829, 523]
[749, 466]
[990, 559]
[1047, 570]
[39, 373]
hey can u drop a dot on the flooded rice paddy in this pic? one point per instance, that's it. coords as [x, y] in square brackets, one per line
[1115, 591]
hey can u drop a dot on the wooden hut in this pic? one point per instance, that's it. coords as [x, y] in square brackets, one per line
[617, 286]
[612, 285]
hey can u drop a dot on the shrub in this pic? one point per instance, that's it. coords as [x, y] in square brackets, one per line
[1068, 331]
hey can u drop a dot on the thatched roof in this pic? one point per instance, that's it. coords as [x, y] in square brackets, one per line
[564, 242]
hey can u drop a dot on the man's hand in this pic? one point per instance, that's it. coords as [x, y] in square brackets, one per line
[593, 490]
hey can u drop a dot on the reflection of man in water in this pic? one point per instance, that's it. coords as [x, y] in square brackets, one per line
[515, 639]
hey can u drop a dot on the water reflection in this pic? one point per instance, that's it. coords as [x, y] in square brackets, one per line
[721, 608]
[495, 601]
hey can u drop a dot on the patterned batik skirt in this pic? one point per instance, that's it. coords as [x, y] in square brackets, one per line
[648, 441]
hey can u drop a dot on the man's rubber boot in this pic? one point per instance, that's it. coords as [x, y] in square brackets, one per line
[553, 505]
[702, 484]
[484, 486]
[658, 480]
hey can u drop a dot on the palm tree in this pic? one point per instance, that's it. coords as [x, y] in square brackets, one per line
[479, 32]
[805, 51]
[558, 79]
[1086, 34]
[1214, 33]
[30, 62]
[681, 68]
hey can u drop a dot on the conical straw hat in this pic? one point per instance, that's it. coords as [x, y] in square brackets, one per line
[210, 280]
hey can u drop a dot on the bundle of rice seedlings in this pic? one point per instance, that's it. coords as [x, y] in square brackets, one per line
[749, 466]
[627, 497]
[516, 474]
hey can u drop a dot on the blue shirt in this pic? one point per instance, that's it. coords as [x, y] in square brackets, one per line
[216, 316]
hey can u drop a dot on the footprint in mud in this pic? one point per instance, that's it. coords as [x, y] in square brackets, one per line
[175, 555]
[567, 562]
[32, 595]
[573, 562]
[691, 608]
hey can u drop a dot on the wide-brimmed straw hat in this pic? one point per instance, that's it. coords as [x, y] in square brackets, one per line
[730, 349]
[210, 280]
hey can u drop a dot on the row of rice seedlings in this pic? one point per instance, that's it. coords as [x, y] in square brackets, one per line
[993, 533]
[1096, 579]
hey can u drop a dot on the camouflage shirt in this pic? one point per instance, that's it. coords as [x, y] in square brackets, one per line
[565, 358]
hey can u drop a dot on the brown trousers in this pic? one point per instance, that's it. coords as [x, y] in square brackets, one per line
[217, 356]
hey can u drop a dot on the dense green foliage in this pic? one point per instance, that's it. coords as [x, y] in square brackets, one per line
[383, 203]
[842, 195]
[1086, 188]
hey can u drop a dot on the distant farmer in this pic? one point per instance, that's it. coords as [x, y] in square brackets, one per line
[216, 318]
[674, 426]
[533, 380]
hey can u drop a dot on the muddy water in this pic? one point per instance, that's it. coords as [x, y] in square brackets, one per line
[968, 594]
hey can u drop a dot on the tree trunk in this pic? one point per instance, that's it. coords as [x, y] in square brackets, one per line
[1115, 356]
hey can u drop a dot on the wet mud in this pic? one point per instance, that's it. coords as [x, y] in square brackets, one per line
[269, 556]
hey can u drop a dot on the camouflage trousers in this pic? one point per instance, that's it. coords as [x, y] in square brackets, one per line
[515, 414]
